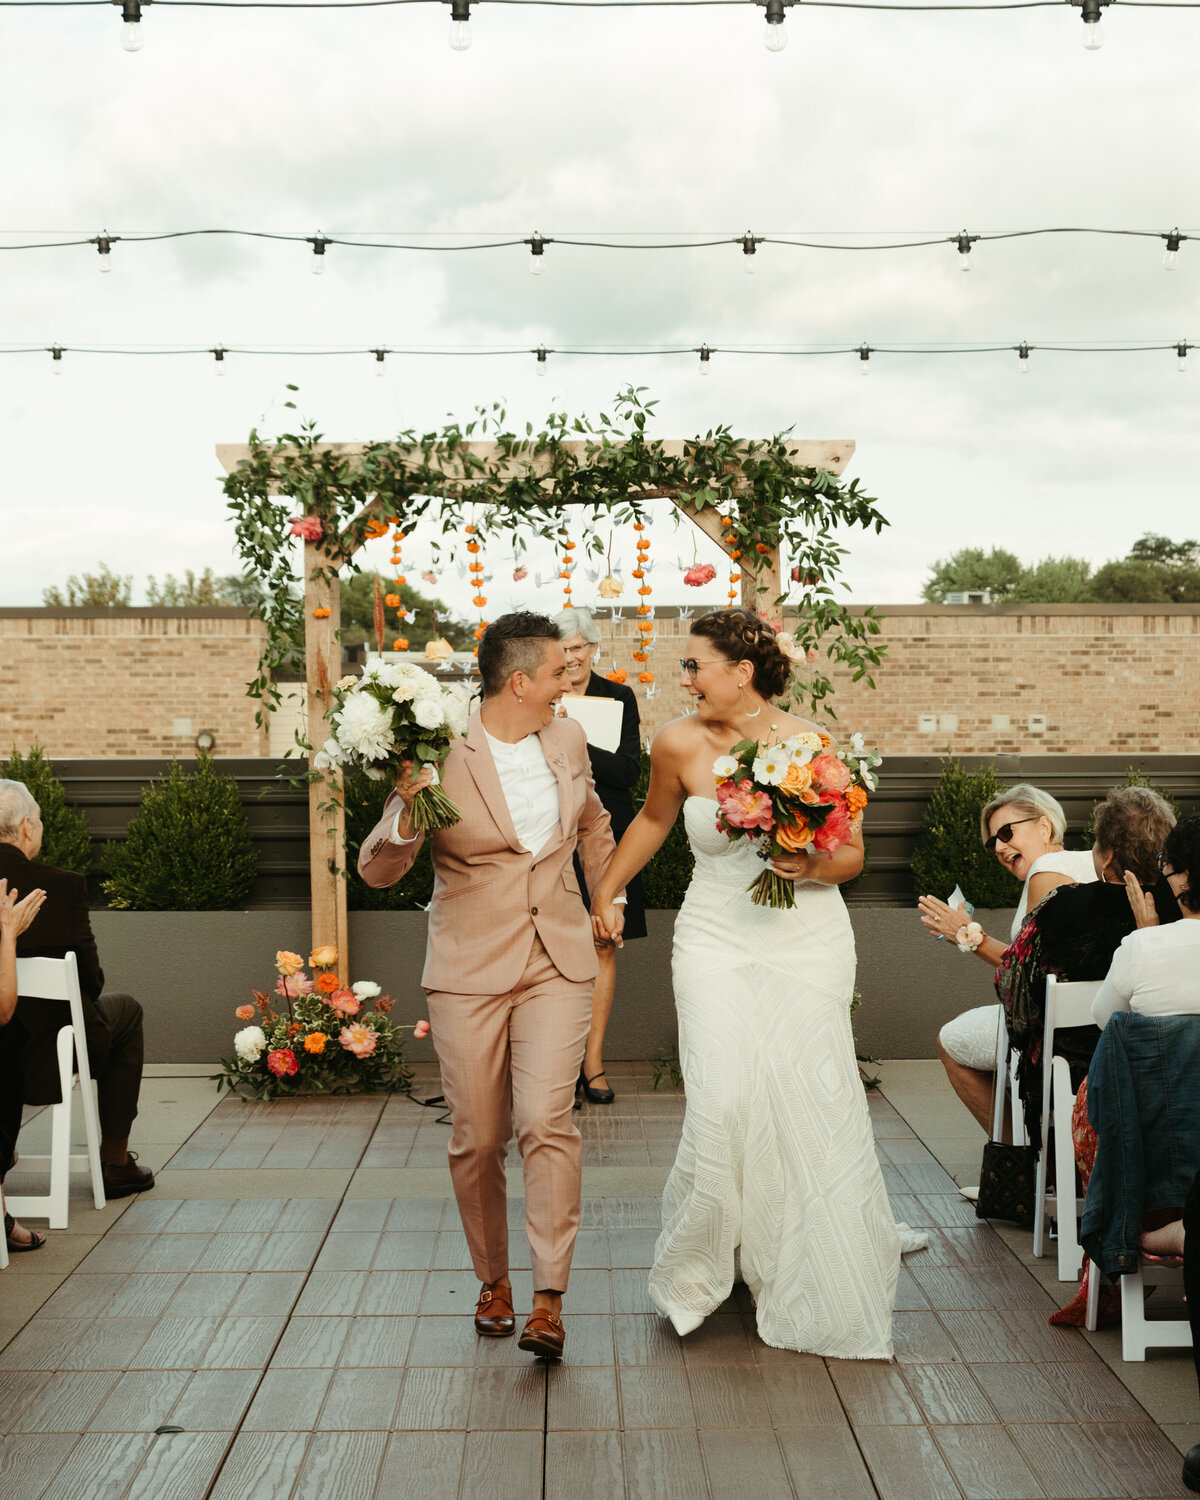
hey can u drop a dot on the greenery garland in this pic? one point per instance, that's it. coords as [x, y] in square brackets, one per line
[522, 488]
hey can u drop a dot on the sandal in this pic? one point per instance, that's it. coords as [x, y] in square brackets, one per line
[36, 1241]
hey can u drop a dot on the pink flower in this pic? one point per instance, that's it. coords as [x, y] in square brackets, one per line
[308, 528]
[836, 830]
[293, 988]
[429, 576]
[829, 774]
[245, 1013]
[697, 576]
[421, 1029]
[746, 808]
[282, 1062]
[520, 575]
[359, 1039]
[345, 1002]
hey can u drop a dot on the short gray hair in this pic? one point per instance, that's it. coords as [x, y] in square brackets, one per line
[1031, 802]
[16, 802]
[574, 621]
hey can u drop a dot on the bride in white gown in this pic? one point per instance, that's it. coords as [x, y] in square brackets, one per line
[776, 1167]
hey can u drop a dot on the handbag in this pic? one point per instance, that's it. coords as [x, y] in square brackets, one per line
[1007, 1174]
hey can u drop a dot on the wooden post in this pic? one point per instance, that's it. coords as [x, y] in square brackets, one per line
[759, 590]
[326, 806]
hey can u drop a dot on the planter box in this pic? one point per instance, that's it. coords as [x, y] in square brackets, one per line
[190, 969]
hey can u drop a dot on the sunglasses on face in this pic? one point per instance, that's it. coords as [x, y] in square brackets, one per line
[1003, 834]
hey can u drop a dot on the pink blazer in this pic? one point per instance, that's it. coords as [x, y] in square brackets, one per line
[490, 895]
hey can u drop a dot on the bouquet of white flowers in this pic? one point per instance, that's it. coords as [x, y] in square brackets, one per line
[392, 713]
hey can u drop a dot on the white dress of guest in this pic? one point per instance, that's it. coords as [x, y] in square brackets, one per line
[1155, 972]
[970, 1039]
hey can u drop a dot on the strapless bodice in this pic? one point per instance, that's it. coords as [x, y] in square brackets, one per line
[720, 860]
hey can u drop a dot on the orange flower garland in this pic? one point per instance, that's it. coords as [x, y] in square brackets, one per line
[476, 569]
[394, 599]
[566, 566]
[734, 577]
[645, 624]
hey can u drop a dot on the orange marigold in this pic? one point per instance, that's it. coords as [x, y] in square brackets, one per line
[640, 656]
[472, 546]
[643, 609]
[321, 614]
[400, 580]
[645, 626]
[392, 601]
[645, 676]
[761, 547]
[328, 982]
[479, 601]
[618, 675]
[315, 1041]
[400, 643]
[639, 526]
[639, 572]
[374, 529]
[856, 799]
[725, 520]
[736, 553]
[645, 589]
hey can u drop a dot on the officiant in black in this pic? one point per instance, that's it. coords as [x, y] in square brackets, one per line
[615, 773]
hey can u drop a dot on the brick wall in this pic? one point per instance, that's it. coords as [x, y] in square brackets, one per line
[128, 682]
[1114, 679]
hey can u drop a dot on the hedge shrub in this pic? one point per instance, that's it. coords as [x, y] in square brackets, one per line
[66, 841]
[364, 801]
[948, 850]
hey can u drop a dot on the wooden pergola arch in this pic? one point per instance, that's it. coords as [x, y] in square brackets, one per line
[762, 590]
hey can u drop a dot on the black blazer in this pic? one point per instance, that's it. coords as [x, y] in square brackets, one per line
[616, 772]
[62, 926]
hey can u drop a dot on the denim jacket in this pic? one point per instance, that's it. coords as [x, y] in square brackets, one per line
[1144, 1102]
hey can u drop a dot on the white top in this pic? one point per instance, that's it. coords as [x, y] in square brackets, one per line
[1076, 863]
[530, 789]
[1155, 972]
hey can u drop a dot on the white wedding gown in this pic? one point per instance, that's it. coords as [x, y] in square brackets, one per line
[776, 1165]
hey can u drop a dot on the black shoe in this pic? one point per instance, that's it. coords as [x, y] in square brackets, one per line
[120, 1181]
[1191, 1469]
[593, 1096]
[35, 1241]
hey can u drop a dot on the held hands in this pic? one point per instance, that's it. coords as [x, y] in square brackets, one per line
[608, 922]
[1141, 903]
[940, 919]
[16, 916]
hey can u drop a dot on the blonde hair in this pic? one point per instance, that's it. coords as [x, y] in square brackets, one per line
[1031, 802]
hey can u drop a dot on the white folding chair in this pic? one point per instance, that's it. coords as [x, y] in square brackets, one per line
[58, 979]
[1066, 1005]
[1006, 1067]
[1138, 1332]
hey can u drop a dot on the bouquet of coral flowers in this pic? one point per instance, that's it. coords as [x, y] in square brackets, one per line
[798, 794]
[316, 1036]
[396, 712]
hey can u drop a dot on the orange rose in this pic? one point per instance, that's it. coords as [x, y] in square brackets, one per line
[322, 957]
[856, 799]
[797, 780]
[315, 1041]
[288, 963]
[793, 839]
[327, 983]
[811, 797]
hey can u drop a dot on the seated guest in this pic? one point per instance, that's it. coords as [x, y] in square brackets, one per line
[1181, 1240]
[15, 917]
[1074, 933]
[1024, 828]
[113, 1022]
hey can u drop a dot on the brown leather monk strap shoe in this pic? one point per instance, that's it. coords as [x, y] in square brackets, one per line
[494, 1317]
[543, 1334]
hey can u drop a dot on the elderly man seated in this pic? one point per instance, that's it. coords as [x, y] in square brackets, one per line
[113, 1022]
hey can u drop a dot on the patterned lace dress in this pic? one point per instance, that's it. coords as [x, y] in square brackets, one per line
[776, 1167]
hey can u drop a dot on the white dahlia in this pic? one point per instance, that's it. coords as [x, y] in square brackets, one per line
[364, 726]
[250, 1043]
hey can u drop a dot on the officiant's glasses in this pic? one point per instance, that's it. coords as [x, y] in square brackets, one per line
[1003, 834]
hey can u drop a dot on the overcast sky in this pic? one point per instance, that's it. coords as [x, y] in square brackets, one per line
[624, 121]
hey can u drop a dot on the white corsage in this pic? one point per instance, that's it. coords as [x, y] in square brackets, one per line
[968, 937]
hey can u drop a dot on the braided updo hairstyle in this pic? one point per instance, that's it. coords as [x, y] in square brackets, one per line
[740, 635]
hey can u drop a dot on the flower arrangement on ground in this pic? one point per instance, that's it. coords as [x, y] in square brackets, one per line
[397, 711]
[317, 1036]
[798, 794]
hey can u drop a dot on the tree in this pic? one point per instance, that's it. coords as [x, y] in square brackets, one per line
[102, 590]
[1160, 549]
[1138, 581]
[1054, 580]
[205, 592]
[357, 596]
[949, 850]
[997, 571]
[242, 589]
[66, 841]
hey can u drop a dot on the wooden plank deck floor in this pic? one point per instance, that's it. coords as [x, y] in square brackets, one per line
[320, 1345]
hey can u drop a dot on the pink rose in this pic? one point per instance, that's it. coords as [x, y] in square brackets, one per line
[345, 1002]
[697, 576]
[282, 1062]
[293, 988]
[245, 1013]
[829, 774]
[520, 575]
[307, 528]
[746, 808]
[421, 1029]
[359, 1039]
[836, 830]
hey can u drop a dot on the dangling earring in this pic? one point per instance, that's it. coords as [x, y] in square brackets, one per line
[520, 699]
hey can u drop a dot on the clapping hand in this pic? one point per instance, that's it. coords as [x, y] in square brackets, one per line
[942, 920]
[1141, 902]
[16, 916]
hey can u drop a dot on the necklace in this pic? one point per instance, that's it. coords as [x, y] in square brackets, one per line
[755, 714]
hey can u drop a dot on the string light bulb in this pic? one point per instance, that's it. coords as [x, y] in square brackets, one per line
[103, 244]
[218, 355]
[749, 250]
[1171, 253]
[379, 358]
[56, 355]
[460, 25]
[131, 23]
[1093, 32]
[537, 253]
[864, 359]
[775, 37]
[965, 241]
[542, 354]
[706, 355]
[1181, 350]
[1023, 356]
[318, 243]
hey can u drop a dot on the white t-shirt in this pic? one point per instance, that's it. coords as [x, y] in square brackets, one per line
[530, 789]
[1155, 972]
[1075, 863]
